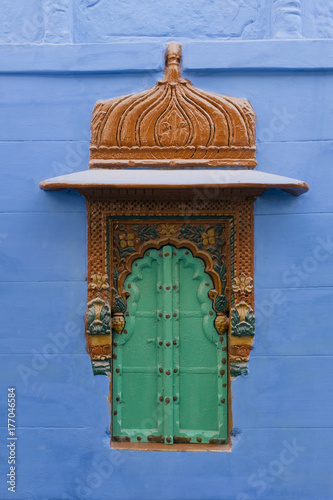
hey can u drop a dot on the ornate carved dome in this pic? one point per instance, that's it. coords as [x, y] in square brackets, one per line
[173, 124]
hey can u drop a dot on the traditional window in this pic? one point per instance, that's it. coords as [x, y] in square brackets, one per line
[170, 313]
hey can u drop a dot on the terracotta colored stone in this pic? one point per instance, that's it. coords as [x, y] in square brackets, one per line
[173, 124]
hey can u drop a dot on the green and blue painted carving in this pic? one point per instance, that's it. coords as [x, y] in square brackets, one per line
[192, 233]
[221, 301]
[101, 367]
[242, 320]
[238, 368]
[147, 232]
[98, 318]
[119, 302]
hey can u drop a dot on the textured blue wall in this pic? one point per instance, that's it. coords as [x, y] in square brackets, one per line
[57, 59]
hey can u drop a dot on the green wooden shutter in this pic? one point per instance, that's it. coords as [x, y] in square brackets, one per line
[169, 369]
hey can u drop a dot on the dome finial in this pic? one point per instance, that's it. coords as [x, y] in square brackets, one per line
[173, 56]
[171, 124]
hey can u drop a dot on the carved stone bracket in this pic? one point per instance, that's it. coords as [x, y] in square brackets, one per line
[98, 333]
[242, 326]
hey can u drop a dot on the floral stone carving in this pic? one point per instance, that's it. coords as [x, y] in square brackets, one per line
[242, 284]
[99, 282]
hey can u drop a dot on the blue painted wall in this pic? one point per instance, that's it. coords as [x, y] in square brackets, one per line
[57, 59]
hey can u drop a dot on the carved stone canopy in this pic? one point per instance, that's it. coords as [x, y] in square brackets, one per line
[173, 124]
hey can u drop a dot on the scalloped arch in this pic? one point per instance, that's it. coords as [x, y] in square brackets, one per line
[209, 265]
[200, 275]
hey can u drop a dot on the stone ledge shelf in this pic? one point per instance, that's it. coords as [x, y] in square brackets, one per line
[163, 179]
[143, 56]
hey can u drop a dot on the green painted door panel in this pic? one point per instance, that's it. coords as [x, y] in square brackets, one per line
[201, 414]
[169, 369]
[135, 384]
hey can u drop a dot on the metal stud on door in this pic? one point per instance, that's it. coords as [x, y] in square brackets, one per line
[167, 343]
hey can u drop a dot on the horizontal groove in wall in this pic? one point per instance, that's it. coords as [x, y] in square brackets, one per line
[126, 57]
[42, 281]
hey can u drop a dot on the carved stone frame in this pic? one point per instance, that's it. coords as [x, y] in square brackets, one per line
[234, 209]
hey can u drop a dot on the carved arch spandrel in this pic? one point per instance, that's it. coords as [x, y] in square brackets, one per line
[156, 245]
[208, 239]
